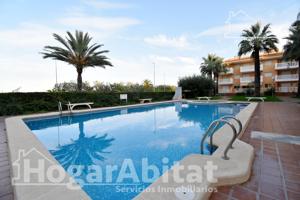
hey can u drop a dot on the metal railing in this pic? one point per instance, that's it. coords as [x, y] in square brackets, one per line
[286, 77]
[59, 108]
[225, 81]
[286, 65]
[250, 68]
[212, 129]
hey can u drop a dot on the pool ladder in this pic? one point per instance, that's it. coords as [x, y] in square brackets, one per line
[60, 108]
[212, 129]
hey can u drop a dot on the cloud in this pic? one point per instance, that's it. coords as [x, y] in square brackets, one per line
[240, 20]
[102, 23]
[188, 60]
[180, 60]
[165, 41]
[106, 4]
[281, 31]
[221, 30]
[27, 35]
[164, 59]
[233, 25]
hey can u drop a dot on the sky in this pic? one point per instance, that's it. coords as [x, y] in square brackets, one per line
[173, 34]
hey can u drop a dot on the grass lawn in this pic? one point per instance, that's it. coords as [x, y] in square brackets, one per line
[216, 97]
[243, 98]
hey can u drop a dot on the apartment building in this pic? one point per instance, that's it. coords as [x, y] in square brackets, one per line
[275, 73]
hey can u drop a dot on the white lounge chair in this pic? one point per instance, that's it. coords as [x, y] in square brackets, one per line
[256, 98]
[205, 98]
[71, 106]
[145, 100]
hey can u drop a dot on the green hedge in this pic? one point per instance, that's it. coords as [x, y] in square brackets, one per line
[34, 102]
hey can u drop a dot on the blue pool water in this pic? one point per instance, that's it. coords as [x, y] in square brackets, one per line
[162, 134]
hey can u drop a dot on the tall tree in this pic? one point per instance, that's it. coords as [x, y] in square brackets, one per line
[292, 47]
[77, 51]
[255, 40]
[212, 66]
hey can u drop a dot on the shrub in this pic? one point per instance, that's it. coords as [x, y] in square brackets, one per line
[194, 86]
[25, 103]
[269, 92]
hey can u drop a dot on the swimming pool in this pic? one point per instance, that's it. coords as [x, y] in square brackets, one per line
[161, 134]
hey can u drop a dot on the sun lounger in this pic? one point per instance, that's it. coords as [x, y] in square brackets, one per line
[256, 98]
[205, 98]
[145, 100]
[71, 106]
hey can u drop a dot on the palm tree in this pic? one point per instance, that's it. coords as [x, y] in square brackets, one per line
[256, 40]
[292, 47]
[77, 51]
[212, 66]
[147, 84]
[207, 66]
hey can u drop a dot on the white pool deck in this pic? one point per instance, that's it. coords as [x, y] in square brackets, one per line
[233, 171]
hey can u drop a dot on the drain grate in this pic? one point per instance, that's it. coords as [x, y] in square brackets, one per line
[184, 193]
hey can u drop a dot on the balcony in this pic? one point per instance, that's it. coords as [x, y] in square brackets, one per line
[286, 78]
[224, 91]
[229, 71]
[286, 65]
[286, 89]
[247, 80]
[250, 68]
[226, 81]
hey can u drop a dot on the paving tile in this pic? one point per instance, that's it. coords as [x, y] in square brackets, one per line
[224, 189]
[293, 195]
[292, 177]
[218, 196]
[7, 197]
[273, 190]
[5, 190]
[243, 193]
[292, 186]
[278, 160]
[266, 197]
[5, 180]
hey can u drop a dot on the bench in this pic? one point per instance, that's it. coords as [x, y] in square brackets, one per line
[256, 98]
[71, 106]
[205, 98]
[145, 100]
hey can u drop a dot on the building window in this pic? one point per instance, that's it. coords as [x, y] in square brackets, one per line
[268, 85]
[268, 62]
[237, 76]
[268, 74]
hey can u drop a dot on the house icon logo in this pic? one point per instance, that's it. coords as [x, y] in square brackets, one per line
[236, 23]
[33, 167]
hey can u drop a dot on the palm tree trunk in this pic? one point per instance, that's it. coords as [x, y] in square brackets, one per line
[298, 93]
[79, 79]
[257, 73]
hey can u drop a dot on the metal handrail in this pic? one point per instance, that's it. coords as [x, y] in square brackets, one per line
[237, 120]
[59, 107]
[213, 126]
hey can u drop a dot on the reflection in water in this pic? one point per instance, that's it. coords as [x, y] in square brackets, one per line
[83, 151]
[203, 116]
